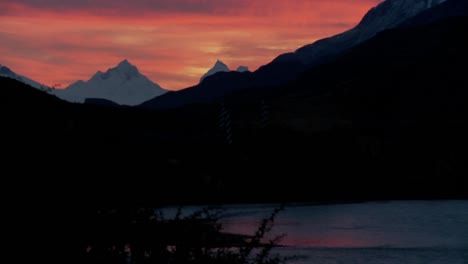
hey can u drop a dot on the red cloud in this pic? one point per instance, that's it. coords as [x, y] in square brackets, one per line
[172, 42]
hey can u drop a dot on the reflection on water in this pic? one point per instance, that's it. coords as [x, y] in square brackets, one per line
[373, 232]
[402, 224]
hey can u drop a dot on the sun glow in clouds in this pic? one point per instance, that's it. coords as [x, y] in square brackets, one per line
[173, 42]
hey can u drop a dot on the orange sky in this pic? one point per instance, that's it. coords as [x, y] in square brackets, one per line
[173, 42]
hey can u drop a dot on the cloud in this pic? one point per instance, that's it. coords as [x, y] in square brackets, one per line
[173, 42]
[134, 7]
[268, 8]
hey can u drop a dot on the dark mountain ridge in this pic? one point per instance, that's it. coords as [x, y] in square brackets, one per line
[287, 67]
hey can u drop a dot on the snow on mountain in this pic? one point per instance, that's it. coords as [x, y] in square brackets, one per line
[242, 69]
[219, 66]
[388, 14]
[7, 72]
[123, 84]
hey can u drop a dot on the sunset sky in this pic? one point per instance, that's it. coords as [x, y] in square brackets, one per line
[173, 42]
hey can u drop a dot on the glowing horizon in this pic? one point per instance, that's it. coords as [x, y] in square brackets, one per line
[172, 42]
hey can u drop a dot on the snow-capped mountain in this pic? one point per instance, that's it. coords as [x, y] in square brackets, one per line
[242, 69]
[219, 66]
[7, 72]
[123, 84]
[388, 14]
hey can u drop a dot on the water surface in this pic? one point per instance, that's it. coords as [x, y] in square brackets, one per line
[425, 232]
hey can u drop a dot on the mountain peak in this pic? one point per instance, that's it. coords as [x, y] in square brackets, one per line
[5, 70]
[124, 63]
[126, 66]
[220, 63]
[219, 66]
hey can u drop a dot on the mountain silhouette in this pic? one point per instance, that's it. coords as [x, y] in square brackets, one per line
[243, 69]
[219, 66]
[287, 67]
[7, 72]
[388, 14]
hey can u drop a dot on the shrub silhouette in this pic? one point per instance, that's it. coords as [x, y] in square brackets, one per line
[145, 235]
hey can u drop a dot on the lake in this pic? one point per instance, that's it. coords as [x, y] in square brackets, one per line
[425, 232]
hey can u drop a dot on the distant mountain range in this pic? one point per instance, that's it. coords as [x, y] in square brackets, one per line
[123, 84]
[286, 67]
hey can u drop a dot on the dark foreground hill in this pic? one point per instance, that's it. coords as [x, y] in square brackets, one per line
[385, 121]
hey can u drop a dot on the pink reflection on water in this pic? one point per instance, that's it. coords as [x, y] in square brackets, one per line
[335, 242]
[392, 224]
[300, 235]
